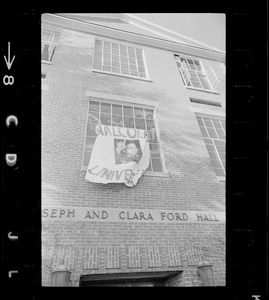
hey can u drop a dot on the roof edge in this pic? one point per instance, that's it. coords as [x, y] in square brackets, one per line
[132, 37]
[162, 31]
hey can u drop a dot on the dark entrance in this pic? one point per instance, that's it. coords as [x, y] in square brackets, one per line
[151, 279]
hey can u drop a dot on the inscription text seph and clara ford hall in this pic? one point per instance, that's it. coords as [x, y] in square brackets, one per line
[133, 154]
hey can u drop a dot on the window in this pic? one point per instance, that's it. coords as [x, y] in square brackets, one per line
[49, 39]
[129, 116]
[194, 75]
[214, 134]
[119, 59]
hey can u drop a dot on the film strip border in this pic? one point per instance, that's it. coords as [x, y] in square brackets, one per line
[21, 148]
[246, 175]
[246, 168]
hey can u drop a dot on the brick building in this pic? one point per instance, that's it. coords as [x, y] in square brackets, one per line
[119, 70]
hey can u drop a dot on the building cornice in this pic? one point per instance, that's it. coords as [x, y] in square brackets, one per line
[102, 30]
[164, 32]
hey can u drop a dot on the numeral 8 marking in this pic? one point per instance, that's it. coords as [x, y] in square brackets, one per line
[8, 80]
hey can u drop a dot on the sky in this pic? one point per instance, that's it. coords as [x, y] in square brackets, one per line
[207, 28]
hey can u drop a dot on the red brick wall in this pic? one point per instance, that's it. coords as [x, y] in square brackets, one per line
[191, 185]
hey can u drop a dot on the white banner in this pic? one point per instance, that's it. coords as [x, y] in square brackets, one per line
[119, 155]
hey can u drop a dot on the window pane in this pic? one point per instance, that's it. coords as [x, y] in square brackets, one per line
[220, 133]
[204, 82]
[194, 80]
[87, 156]
[131, 55]
[46, 34]
[116, 109]
[208, 122]
[192, 66]
[117, 121]
[200, 122]
[221, 149]
[107, 63]
[152, 135]
[105, 119]
[132, 61]
[216, 123]
[139, 112]
[94, 117]
[213, 155]
[223, 124]
[91, 129]
[123, 50]
[115, 58]
[128, 111]
[97, 66]
[115, 46]
[150, 124]
[115, 70]
[115, 51]
[142, 75]
[140, 62]
[107, 47]
[140, 123]
[208, 141]
[107, 57]
[98, 61]
[133, 73]
[219, 172]
[139, 54]
[212, 133]
[149, 113]
[107, 69]
[154, 150]
[115, 64]
[124, 60]
[204, 132]
[198, 66]
[219, 142]
[97, 55]
[149, 167]
[45, 53]
[98, 42]
[106, 107]
[210, 148]
[156, 165]
[141, 69]
[125, 72]
[89, 142]
[124, 66]
[129, 122]
[216, 163]
[98, 48]
[222, 157]
[133, 68]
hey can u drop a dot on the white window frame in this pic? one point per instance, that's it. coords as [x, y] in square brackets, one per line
[216, 117]
[185, 73]
[147, 78]
[51, 43]
[143, 103]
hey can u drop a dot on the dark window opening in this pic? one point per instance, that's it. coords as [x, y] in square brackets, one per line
[151, 279]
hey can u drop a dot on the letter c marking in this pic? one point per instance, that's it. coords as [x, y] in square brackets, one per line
[10, 119]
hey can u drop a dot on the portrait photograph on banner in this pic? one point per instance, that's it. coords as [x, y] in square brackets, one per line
[118, 160]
